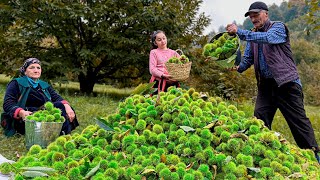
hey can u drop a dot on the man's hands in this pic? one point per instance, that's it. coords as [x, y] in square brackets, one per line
[234, 68]
[232, 28]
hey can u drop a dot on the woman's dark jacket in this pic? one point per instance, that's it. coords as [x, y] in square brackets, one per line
[32, 100]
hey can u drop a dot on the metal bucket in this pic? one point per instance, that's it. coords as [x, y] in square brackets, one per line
[231, 61]
[41, 133]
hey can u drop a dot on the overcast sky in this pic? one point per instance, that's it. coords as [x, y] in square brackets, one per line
[223, 12]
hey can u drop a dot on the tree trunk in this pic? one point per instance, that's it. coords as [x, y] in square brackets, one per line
[87, 83]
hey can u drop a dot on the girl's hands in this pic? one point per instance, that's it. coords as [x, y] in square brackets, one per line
[166, 76]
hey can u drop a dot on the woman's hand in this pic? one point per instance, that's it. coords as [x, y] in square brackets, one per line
[166, 76]
[70, 112]
[23, 114]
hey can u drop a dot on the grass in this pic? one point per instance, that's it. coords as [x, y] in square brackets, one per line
[280, 125]
[4, 79]
[99, 89]
[87, 108]
[74, 88]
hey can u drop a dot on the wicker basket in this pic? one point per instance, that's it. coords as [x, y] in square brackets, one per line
[179, 72]
[230, 61]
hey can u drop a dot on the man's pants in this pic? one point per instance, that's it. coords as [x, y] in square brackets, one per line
[289, 99]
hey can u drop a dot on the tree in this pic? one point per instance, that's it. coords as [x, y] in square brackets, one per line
[247, 24]
[221, 29]
[304, 50]
[95, 40]
[313, 17]
[275, 14]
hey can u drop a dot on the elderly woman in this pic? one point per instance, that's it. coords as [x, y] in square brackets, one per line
[27, 94]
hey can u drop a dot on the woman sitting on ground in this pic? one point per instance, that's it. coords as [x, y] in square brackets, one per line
[27, 94]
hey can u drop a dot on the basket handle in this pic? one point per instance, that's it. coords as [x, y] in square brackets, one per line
[179, 51]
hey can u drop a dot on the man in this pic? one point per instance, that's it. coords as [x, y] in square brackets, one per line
[268, 49]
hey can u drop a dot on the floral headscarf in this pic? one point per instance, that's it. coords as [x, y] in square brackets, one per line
[27, 63]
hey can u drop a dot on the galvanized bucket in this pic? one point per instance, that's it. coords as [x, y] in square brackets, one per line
[41, 133]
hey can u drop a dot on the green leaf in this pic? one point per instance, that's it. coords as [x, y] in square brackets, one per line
[147, 171]
[125, 127]
[92, 171]
[102, 125]
[213, 58]
[174, 110]
[176, 99]
[242, 131]
[33, 174]
[143, 88]
[133, 112]
[209, 126]
[295, 176]
[38, 168]
[240, 135]
[228, 159]
[187, 128]
[256, 170]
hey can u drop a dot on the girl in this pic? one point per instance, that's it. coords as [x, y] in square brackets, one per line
[159, 55]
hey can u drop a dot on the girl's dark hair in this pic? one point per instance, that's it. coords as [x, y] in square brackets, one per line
[153, 38]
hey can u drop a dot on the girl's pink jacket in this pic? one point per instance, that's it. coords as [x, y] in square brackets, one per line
[157, 60]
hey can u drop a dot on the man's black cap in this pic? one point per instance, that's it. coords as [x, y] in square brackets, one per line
[256, 7]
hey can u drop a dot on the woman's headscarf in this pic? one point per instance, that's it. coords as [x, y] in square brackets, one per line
[27, 63]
